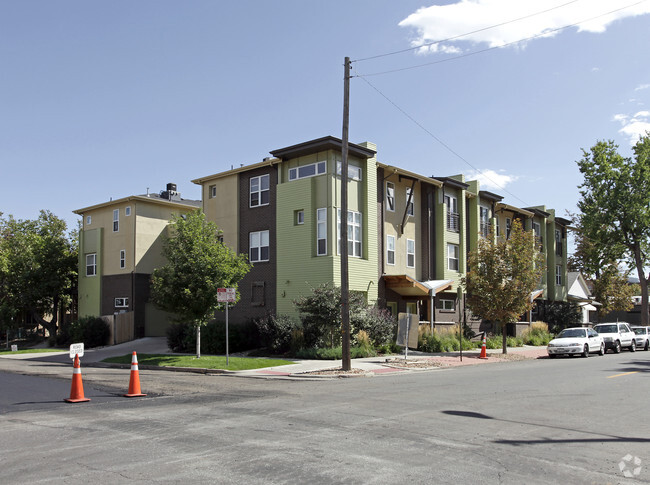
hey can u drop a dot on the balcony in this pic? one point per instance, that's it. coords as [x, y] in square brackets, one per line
[453, 222]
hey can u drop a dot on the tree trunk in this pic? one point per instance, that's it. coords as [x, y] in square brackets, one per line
[643, 283]
[504, 328]
[51, 326]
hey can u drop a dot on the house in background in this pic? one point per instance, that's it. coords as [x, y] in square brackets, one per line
[120, 244]
[579, 293]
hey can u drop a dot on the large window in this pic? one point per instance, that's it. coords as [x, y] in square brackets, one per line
[354, 233]
[410, 253]
[485, 221]
[91, 264]
[354, 172]
[259, 194]
[410, 209]
[305, 171]
[453, 219]
[116, 220]
[259, 246]
[390, 196]
[390, 250]
[452, 257]
[447, 305]
[321, 232]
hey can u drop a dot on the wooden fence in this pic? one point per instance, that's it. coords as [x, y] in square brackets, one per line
[122, 327]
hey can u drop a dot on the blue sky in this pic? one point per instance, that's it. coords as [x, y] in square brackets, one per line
[103, 100]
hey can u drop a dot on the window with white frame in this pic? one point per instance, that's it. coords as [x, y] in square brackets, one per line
[453, 218]
[390, 196]
[558, 274]
[122, 302]
[91, 264]
[410, 209]
[116, 220]
[89, 220]
[453, 262]
[354, 172]
[122, 258]
[354, 233]
[299, 217]
[321, 232]
[127, 211]
[390, 250]
[446, 304]
[259, 191]
[484, 216]
[307, 171]
[212, 191]
[410, 253]
[259, 246]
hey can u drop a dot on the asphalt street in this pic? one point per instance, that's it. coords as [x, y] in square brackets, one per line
[538, 421]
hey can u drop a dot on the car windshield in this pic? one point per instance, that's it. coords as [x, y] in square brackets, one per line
[572, 332]
[606, 329]
[639, 331]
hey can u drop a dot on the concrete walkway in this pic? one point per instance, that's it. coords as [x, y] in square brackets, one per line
[395, 364]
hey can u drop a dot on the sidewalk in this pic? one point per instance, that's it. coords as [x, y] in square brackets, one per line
[371, 366]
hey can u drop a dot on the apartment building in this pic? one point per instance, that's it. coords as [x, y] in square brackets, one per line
[120, 244]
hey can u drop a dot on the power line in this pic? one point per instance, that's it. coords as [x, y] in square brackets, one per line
[447, 147]
[465, 34]
[541, 34]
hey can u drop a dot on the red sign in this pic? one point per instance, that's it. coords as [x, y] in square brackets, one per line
[226, 295]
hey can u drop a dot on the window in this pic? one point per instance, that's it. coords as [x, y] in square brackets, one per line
[257, 293]
[558, 274]
[390, 250]
[508, 227]
[498, 226]
[259, 246]
[558, 242]
[305, 171]
[485, 221]
[392, 306]
[89, 220]
[116, 220]
[410, 209]
[453, 219]
[122, 258]
[127, 211]
[447, 305]
[537, 229]
[121, 302]
[91, 264]
[410, 253]
[259, 191]
[299, 217]
[390, 196]
[354, 172]
[354, 233]
[321, 232]
[212, 191]
[452, 257]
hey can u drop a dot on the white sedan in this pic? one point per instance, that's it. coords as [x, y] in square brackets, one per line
[572, 341]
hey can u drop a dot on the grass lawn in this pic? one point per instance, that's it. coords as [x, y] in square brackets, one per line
[205, 362]
[32, 351]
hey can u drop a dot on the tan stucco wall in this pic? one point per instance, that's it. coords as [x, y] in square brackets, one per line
[223, 208]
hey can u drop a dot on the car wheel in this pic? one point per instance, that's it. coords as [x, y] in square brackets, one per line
[601, 352]
[617, 347]
[585, 352]
[633, 346]
[552, 356]
[647, 344]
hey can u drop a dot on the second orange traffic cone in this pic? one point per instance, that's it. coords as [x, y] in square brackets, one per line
[483, 349]
[77, 388]
[134, 382]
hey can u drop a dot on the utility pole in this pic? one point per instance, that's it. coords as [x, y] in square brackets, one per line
[345, 287]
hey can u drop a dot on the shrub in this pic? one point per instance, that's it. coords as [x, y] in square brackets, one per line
[379, 324]
[92, 331]
[181, 337]
[276, 332]
[536, 334]
[562, 314]
[514, 342]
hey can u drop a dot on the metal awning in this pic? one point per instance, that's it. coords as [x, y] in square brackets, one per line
[536, 294]
[406, 286]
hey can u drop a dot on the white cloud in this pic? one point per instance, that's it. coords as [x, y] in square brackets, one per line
[634, 127]
[642, 87]
[491, 180]
[440, 22]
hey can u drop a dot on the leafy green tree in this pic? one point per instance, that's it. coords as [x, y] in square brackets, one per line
[615, 207]
[502, 274]
[38, 267]
[198, 264]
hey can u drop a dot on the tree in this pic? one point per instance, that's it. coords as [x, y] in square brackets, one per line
[615, 207]
[39, 261]
[502, 274]
[198, 263]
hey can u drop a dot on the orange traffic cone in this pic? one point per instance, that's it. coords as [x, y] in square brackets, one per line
[134, 382]
[483, 349]
[77, 389]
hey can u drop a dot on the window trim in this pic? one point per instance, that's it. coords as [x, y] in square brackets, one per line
[390, 196]
[484, 221]
[321, 223]
[92, 264]
[123, 304]
[455, 257]
[212, 191]
[127, 211]
[558, 275]
[300, 217]
[320, 168]
[351, 241]
[410, 209]
[116, 220]
[260, 191]
[558, 242]
[410, 253]
[443, 304]
[508, 227]
[389, 250]
[453, 217]
[122, 258]
[89, 220]
[354, 171]
[259, 247]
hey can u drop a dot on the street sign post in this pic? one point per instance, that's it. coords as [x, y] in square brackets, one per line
[76, 349]
[227, 295]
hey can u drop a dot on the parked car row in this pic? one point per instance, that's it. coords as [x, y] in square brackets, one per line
[600, 339]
